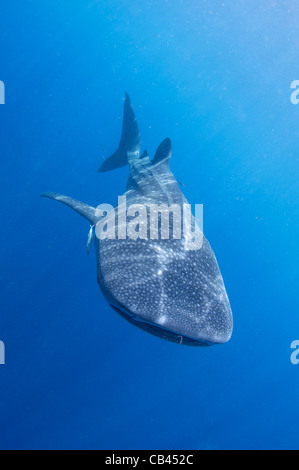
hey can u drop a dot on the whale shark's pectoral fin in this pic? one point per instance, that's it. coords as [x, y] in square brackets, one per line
[129, 145]
[88, 212]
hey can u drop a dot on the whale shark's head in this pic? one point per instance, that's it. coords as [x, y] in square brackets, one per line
[175, 294]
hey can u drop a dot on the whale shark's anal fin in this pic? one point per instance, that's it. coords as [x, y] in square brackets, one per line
[129, 145]
[88, 212]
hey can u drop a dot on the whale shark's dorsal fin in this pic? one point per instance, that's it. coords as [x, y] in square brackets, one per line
[129, 145]
[144, 155]
[88, 212]
[163, 153]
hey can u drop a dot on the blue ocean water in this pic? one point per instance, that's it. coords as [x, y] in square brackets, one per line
[215, 77]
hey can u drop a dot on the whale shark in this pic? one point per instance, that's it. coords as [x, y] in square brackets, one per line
[157, 284]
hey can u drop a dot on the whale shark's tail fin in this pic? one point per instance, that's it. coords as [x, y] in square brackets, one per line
[88, 212]
[129, 145]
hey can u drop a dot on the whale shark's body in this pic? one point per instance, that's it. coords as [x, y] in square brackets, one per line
[157, 284]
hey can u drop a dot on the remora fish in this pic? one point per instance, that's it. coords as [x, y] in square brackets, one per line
[157, 284]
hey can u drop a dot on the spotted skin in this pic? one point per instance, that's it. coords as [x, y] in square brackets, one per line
[158, 285]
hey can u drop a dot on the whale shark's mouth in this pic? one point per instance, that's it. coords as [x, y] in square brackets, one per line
[158, 330]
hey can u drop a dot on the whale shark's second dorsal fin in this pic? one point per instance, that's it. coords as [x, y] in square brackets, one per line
[129, 144]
